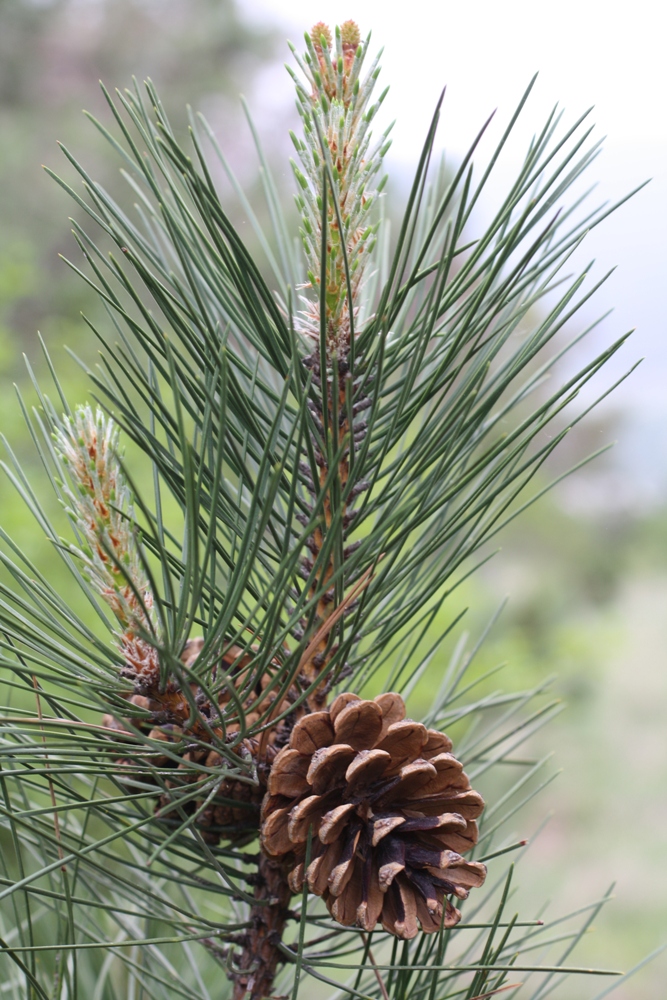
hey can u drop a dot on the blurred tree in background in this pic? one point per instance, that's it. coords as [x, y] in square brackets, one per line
[53, 53]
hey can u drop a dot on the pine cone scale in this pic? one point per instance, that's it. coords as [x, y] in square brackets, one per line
[366, 768]
[391, 861]
[275, 835]
[370, 908]
[436, 743]
[288, 777]
[359, 725]
[342, 872]
[465, 802]
[425, 886]
[334, 822]
[399, 913]
[309, 812]
[328, 764]
[312, 732]
[426, 823]
[344, 908]
[319, 870]
[413, 779]
[404, 741]
[383, 825]
[393, 709]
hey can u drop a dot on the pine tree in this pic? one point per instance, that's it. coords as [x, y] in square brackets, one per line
[221, 752]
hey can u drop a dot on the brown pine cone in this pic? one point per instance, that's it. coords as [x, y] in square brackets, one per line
[391, 811]
[233, 814]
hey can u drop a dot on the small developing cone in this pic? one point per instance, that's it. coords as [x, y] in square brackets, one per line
[233, 814]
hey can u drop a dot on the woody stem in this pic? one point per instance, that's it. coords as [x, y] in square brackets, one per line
[327, 604]
[258, 963]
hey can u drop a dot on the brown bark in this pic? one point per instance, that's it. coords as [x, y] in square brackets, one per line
[261, 955]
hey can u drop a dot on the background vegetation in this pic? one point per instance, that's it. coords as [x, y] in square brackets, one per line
[587, 578]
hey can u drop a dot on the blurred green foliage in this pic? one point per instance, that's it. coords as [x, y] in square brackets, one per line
[52, 55]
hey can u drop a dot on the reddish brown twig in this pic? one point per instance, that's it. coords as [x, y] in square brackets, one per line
[383, 988]
[256, 970]
[501, 989]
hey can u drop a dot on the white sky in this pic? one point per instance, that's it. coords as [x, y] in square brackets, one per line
[601, 53]
[609, 55]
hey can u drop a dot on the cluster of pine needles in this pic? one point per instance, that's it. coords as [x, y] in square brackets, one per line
[321, 441]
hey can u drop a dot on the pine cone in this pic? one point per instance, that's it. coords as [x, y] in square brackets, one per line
[391, 811]
[233, 814]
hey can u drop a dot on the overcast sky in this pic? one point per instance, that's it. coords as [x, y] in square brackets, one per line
[587, 53]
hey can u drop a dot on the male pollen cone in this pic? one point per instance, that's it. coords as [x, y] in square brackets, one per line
[391, 812]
